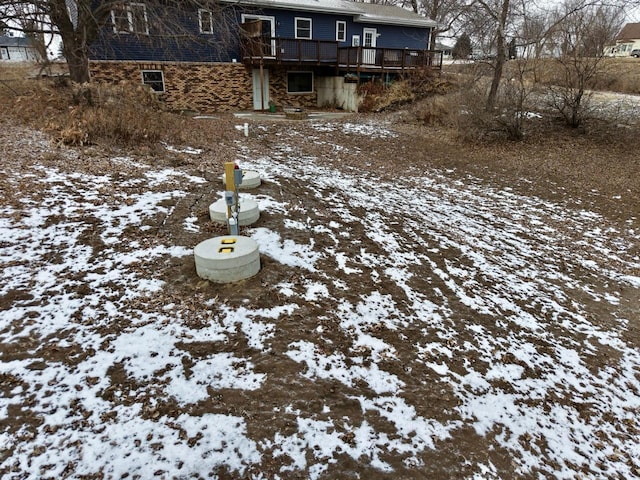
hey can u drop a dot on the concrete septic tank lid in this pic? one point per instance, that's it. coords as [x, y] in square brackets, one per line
[227, 259]
[249, 212]
[250, 179]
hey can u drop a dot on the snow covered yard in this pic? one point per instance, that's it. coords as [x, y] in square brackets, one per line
[433, 327]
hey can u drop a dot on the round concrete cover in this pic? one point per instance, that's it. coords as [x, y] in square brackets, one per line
[227, 258]
[249, 212]
[250, 179]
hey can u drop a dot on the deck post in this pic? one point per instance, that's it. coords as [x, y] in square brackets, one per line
[262, 83]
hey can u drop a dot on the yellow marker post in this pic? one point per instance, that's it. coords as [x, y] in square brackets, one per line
[229, 167]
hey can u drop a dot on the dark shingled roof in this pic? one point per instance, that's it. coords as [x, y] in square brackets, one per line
[631, 31]
[14, 41]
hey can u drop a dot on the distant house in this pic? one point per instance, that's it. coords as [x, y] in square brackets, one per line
[303, 53]
[447, 51]
[627, 40]
[17, 49]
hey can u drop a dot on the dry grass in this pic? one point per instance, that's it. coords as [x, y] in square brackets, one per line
[123, 114]
[129, 114]
[621, 75]
[378, 97]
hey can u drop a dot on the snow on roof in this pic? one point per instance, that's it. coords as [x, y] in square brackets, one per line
[391, 14]
[362, 12]
[327, 6]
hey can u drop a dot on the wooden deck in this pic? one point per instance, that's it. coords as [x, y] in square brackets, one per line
[288, 51]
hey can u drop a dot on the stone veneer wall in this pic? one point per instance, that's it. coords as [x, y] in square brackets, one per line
[197, 87]
[280, 97]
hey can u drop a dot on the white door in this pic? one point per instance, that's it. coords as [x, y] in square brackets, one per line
[266, 32]
[369, 39]
[260, 95]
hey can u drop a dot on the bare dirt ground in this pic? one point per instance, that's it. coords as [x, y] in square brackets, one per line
[450, 310]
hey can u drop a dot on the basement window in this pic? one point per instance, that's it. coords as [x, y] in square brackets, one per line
[299, 82]
[155, 79]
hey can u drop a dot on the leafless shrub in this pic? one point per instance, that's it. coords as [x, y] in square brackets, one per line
[82, 114]
[125, 113]
[370, 92]
[573, 104]
[512, 110]
[471, 119]
[435, 110]
[582, 35]
[513, 106]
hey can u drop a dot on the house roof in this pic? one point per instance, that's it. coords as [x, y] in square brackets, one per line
[6, 41]
[362, 12]
[631, 31]
[375, 13]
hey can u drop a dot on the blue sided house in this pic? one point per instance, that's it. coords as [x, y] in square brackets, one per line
[260, 54]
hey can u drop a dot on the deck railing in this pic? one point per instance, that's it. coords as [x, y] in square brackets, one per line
[388, 58]
[267, 50]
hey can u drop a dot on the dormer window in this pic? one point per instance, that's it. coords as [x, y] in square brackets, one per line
[303, 28]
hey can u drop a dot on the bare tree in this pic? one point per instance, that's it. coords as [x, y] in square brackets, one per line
[499, 12]
[445, 12]
[79, 22]
[55, 17]
[31, 26]
[582, 34]
[504, 18]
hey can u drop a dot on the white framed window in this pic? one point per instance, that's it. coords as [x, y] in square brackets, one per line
[155, 79]
[303, 28]
[341, 31]
[130, 18]
[355, 41]
[299, 82]
[205, 19]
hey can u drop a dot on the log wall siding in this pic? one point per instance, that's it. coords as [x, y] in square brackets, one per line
[197, 87]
